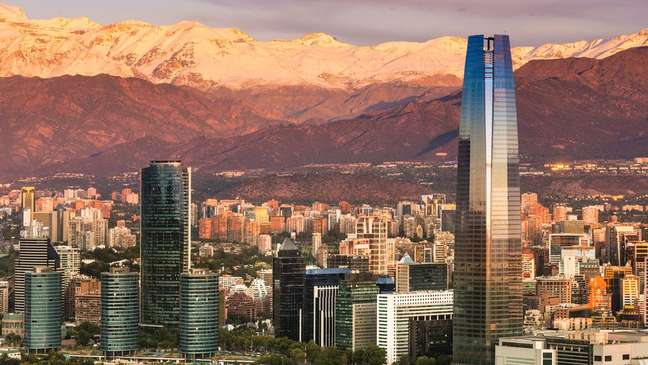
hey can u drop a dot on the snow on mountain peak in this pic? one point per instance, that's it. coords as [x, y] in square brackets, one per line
[198, 55]
[11, 13]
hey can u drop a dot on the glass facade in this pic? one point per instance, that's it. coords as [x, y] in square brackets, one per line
[198, 314]
[43, 308]
[355, 315]
[487, 276]
[287, 291]
[119, 313]
[318, 313]
[165, 239]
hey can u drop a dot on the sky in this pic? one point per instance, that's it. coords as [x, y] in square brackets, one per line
[367, 22]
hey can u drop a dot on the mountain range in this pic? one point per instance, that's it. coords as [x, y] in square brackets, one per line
[77, 96]
[190, 53]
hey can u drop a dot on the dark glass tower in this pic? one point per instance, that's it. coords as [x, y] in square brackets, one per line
[198, 314]
[43, 310]
[287, 290]
[318, 314]
[119, 312]
[165, 239]
[33, 252]
[488, 286]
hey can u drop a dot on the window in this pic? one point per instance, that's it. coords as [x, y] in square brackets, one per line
[626, 356]
[608, 358]
[598, 358]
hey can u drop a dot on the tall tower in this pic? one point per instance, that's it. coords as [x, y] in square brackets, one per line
[33, 253]
[198, 314]
[165, 239]
[287, 291]
[488, 249]
[43, 306]
[119, 312]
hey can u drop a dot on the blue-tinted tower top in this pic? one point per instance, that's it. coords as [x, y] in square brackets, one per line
[488, 290]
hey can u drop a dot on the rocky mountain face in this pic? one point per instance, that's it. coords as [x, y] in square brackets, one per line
[189, 53]
[571, 108]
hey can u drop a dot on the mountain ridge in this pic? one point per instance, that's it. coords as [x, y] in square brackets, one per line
[190, 53]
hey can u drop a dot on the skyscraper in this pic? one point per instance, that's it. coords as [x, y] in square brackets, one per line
[119, 312]
[355, 314]
[488, 277]
[28, 203]
[33, 252]
[287, 290]
[43, 310]
[198, 314]
[318, 313]
[373, 228]
[165, 239]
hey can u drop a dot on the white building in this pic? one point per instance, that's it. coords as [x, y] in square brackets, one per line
[395, 310]
[524, 351]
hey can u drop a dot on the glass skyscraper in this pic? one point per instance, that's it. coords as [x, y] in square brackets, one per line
[198, 314]
[165, 239]
[287, 291]
[119, 312]
[488, 277]
[43, 310]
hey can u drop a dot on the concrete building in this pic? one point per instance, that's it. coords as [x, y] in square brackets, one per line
[394, 312]
[355, 320]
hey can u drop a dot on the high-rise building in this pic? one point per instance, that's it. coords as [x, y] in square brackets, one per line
[412, 276]
[69, 263]
[373, 228]
[355, 314]
[33, 252]
[165, 239]
[5, 287]
[198, 314]
[119, 312]
[287, 291]
[43, 307]
[28, 203]
[318, 313]
[396, 310]
[487, 268]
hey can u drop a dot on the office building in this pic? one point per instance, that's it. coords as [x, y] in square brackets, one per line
[28, 203]
[411, 276]
[43, 306]
[119, 313]
[524, 350]
[198, 314]
[395, 312]
[165, 239]
[355, 318]
[287, 290]
[33, 252]
[318, 313]
[487, 267]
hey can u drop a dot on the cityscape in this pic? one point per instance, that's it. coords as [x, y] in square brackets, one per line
[458, 214]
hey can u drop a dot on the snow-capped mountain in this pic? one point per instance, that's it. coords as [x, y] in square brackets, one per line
[189, 53]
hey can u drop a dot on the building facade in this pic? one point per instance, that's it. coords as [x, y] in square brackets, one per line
[119, 313]
[165, 239]
[43, 307]
[396, 310]
[487, 267]
[287, 291]
[198, 314]
[355, 321]
[33, 253]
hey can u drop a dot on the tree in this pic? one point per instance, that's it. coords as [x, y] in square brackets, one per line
[372, 355]
[275, 359]
[424, 360]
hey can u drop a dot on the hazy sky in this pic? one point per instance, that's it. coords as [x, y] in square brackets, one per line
[372, 21]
